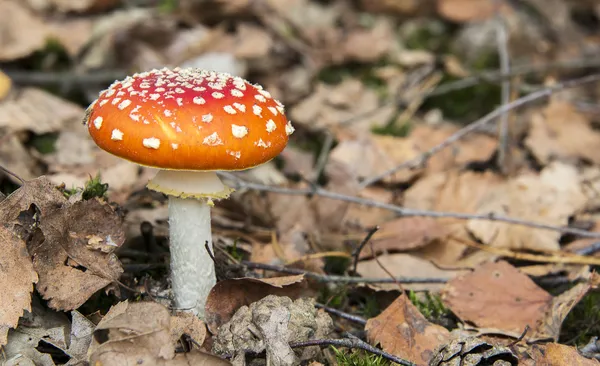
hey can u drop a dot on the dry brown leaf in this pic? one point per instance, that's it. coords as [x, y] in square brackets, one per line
[21, 32]
[555, 354]
[16, 281]
[454, 191]
[189, 324]
[473, 148]
[369, 45]
[39, 192]
[405, 265]
[550, 324]
[229, 295]
[131, 333]
[370, 156]
[497, 295]
[404, 234]
[550, 197]
[329, 105]
[65, 258]
[560, 131]
[38, 111]
[466, 10]
[403, 331]
[15, 157]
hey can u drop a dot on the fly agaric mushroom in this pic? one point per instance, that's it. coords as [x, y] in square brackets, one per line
[189, 123]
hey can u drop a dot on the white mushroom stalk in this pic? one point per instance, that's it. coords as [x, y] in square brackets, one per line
[190, 200]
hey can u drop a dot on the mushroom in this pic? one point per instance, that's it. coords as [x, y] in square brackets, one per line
[189, 123]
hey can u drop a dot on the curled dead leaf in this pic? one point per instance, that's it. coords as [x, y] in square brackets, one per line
[229, 295]
[403, 331]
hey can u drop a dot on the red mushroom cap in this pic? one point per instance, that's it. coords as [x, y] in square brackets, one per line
[189, 119]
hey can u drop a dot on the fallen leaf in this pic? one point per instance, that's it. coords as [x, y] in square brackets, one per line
[189, 324]
[497, 295]
[549, 324]
[229, 295]
[21, 32]
[466, 10]
[132, 333]
[329, 105]
[16, 281]
[560, 132]
[36, 110]
[555, 354]
[404, 234]
[21, 350]
[403, 331]
[405, 265]
[69, 270]
[369, 45]
[271, 324]
[17, 158]
[550, 197]
[82, 330]
[454, 191]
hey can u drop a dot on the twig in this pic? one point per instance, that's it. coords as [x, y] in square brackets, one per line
[502, 40]
[210, 253]
[352, 343]
[398, 284]
[21, 180]
[423, 158]
[64, 78]
[517, 70]
[238, 183]
[341, 314]
[341, 279]
[362, 245]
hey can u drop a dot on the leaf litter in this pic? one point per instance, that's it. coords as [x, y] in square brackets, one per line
[369, 85]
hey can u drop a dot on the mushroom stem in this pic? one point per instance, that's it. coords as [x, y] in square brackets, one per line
[190, 199]
[192, 268]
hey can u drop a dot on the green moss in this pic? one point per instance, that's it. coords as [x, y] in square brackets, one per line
[358, 358]
[434, 36]
[370, 307]
[44, 144]
[465, 104]
[93, 188]
[168, 6]
[234, 252]
[583, 322]
[431, 306]
[365, 73]
[333, 297]
[337, 265]
[393, 129]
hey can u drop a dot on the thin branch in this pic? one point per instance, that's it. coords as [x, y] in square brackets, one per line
[238, 183]
[354, 318]
[352, 343]
[339, 279]
[502, 40]
[14, 175]
[64, 78]
[361, 246]
[517, 70]
[423, 158]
